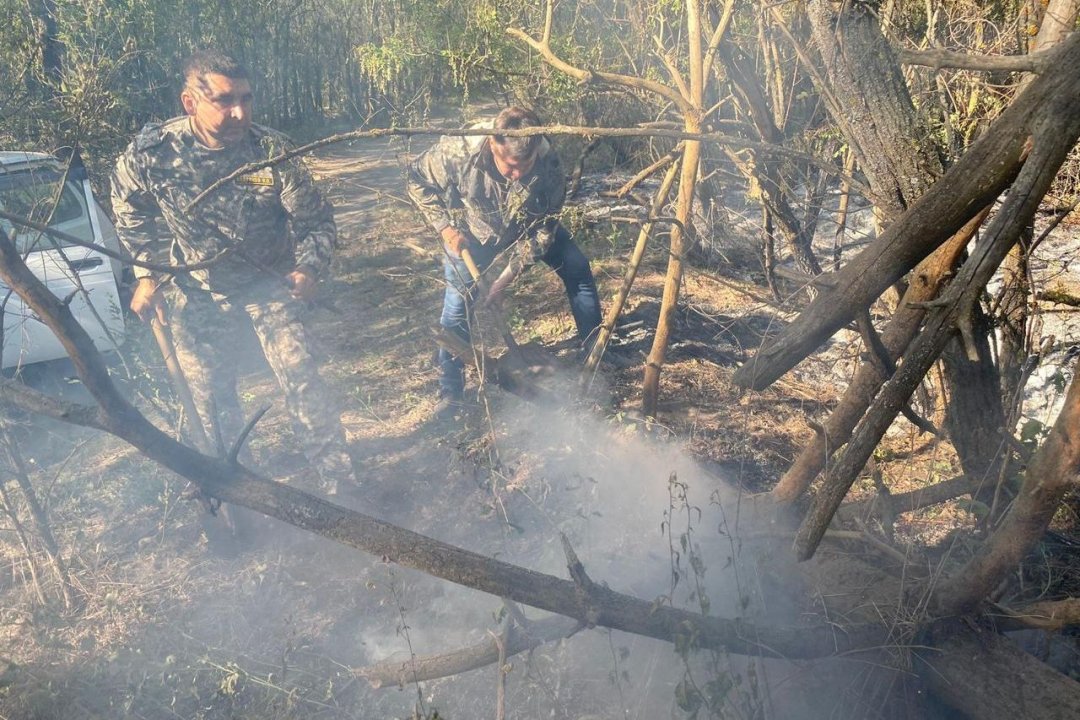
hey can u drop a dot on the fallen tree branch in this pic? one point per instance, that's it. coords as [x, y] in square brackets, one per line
[473, 657]
[19, 395]
[910, 501]
[925, 282]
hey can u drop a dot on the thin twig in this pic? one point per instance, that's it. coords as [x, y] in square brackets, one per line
[234, 453]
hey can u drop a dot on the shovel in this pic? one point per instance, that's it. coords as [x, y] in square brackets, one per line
[517, 371]
[496, 309]
[530, 357]
[215, 533]
[508, 374]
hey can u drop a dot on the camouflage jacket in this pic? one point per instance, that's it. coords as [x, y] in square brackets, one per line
[455, 182]
[271, 220]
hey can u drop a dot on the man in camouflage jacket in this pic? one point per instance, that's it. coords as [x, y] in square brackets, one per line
[495, 194]
[272, 235]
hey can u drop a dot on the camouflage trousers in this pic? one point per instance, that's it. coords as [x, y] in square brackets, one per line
[206, 328]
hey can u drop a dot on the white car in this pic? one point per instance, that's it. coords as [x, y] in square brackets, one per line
[29, 183]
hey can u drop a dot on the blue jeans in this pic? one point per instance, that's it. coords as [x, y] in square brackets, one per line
[564, 257]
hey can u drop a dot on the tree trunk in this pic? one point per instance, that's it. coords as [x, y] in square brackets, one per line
[876, 113]
[582, 599]
[684, 213]
[51, 48]
[974, 415]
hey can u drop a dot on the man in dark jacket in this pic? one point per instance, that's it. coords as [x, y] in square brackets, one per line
[489, 194]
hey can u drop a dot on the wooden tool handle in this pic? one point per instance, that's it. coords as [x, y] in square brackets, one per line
[467, 258]
[180, 386]
[496, 312]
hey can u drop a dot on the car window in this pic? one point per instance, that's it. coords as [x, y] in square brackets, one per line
[32, 195]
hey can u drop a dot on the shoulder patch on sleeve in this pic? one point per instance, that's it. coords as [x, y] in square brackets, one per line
[150, 136]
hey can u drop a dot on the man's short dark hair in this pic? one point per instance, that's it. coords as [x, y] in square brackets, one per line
[516, 118]
[215, 62]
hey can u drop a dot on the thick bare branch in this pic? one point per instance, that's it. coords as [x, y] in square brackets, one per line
[29, 400]
[926, 281]
[909, 501]
[629, 81]
[582, 131]
[939, 58]
[455, 662]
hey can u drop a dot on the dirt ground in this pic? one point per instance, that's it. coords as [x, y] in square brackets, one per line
[171, 628]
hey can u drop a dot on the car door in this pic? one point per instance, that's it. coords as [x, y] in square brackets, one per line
[82, 277]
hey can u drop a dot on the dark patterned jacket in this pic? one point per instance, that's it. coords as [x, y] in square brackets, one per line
[271, 220]
[455, 182]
